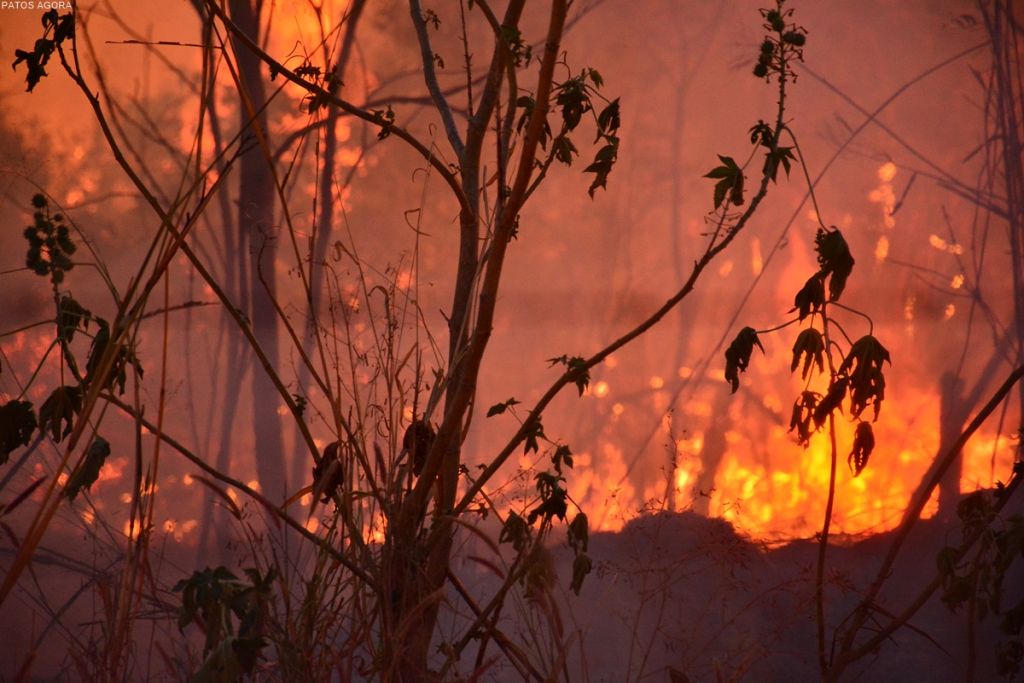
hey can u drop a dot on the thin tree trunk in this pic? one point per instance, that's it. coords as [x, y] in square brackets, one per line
[256, 226]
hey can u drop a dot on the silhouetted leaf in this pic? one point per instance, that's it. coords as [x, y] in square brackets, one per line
[863, 444]
[833, 400]
[811, 296]
[579, 374]
[730, 183]
[553, 499]
[499, 408]
[603, 163]
[564, 150]
[762, 133]
[863, 366]
[737, 356]
[515, 531]
[211, 598]
[834, 260]
[89, 469]
[70, 316]
[609, 120]
[527, 104]
[803, 415]
[417, 441]
[810, 345]
[534, 431]
[63, 28]
[60, 409]
[573, 100]
[17, 422]
[775, 157]
[562, 455]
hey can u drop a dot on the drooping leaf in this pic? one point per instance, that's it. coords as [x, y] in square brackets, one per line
[603, 163]
[89, 469]
[863, 366]
[515, 531]
[834, 259]
[65, 28]
[737, 356]
[564, 149]
[417, 441]
[810, 346]
[863, 445]
[57, 414]
[17, 422]
[553, 499]
[562, 455]
[833, 400]
[70, 316]
[534, 432]
[527, 104]
[581, 566]
[609, 120]
[573, 100]
[579, 532]
[811, 296]
[803, 416]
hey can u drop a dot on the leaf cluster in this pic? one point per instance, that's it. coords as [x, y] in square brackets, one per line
[56, 29]
[63, 406]
[984, 576]
[573, 99]
[215, 599]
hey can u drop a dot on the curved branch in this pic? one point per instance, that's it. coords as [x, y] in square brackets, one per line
[430, 76]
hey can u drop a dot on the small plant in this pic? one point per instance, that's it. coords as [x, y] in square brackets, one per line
[232, 614]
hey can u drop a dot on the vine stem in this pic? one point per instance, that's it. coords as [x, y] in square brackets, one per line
[819, 579]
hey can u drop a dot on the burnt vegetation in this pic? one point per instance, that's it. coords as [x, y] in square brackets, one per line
[377, 401]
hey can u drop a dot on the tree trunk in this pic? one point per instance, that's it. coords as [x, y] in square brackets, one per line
[258, 244]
